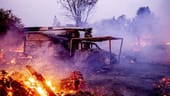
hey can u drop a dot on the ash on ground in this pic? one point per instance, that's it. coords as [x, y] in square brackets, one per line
[131, 79]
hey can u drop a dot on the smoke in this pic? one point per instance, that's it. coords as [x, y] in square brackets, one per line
[44, 59]
[10, 43]
[145, 35]
[145, 38]
[145, 43]
[164, 20]
[47, 61]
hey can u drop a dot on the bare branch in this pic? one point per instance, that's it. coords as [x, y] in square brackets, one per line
[79, 9]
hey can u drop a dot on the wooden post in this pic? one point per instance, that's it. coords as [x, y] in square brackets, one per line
[71, 41]
[25, 40]
[110, 50]
[120, 49]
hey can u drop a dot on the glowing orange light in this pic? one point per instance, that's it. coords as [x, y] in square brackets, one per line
[35, 85]
[13, 61]
[168, 43]
[50, 85]
[41, 91]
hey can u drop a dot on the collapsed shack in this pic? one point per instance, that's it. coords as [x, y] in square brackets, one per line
[71, 40]
[90, 42]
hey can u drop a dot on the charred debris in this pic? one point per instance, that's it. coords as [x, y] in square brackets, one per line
[37, 85]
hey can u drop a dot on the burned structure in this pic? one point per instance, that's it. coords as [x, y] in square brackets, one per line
[128, 80]
[71, 39]
[44, 40]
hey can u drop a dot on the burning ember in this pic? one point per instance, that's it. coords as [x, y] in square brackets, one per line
[13, 61]
[163, 87]
[1, 55]
[168, 43]
[73, 83]
[34, 84]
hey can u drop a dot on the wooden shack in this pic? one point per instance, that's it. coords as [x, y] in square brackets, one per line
[35, 41]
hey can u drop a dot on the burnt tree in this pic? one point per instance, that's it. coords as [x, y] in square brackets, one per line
[78, 10]
[143, 23]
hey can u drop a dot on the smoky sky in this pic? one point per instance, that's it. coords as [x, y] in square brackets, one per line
[164, 18]
[42, 12]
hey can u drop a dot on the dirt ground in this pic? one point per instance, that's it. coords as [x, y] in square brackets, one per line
[137, 79]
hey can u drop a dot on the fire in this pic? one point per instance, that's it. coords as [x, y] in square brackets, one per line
[45, 87]
[168, 43]
[143, 43]
[41, 91]
[48, 82]
[10, 93]
[1, 54]
[32, 83]
[13, 61]
[35, 85]
[38, 83]
[163, 87]
[19, 48]
[31, 79]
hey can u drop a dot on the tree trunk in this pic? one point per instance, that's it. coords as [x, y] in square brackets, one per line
[78, 21]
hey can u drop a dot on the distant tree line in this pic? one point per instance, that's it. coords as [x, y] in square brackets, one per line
[142, 22]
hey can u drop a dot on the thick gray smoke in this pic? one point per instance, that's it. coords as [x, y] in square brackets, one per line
[145, 36]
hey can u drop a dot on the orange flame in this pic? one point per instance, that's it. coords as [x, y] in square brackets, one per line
[13, 61]
[35, 85]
